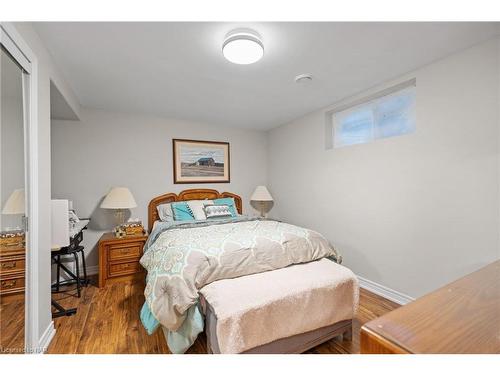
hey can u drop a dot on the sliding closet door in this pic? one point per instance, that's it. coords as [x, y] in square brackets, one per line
[12, 200]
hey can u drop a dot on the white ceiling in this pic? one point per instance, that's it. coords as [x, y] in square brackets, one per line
[177, 69]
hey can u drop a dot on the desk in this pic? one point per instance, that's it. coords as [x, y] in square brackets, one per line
[76, 237]
[461, 317]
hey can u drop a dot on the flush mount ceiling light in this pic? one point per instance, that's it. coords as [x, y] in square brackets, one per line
[243, 47]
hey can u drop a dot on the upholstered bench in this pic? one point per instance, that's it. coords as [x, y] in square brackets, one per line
[288, 310]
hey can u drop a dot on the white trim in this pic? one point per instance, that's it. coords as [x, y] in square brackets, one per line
[46, 338]
[13, 49]
[31, 331]
[381, 290]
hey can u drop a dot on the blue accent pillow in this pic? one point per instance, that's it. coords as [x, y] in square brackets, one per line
[181, 211]
[227, 202]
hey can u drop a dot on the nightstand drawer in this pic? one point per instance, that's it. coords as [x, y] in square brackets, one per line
[119, 269]
[118, 252]
[12, 284]
[12, 265]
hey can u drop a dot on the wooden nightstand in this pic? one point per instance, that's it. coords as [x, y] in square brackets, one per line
[119, 258]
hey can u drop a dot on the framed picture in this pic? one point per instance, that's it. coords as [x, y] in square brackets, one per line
[198, 162]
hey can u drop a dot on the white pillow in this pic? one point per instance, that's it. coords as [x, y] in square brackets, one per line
[196, 208]
[165, 212]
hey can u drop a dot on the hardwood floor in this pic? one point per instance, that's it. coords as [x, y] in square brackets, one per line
[107, 321]
[12, 325]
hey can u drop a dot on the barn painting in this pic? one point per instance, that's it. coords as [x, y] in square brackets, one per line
[200, 161]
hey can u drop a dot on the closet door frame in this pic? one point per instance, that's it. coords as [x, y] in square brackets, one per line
[24, 56]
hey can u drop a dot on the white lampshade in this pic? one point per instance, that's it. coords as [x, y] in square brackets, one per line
[261, 194]
[15, 203]
[118, 198]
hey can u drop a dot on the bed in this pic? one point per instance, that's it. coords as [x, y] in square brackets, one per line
[198, 270]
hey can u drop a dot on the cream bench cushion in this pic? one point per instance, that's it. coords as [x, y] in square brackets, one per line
[255, 310]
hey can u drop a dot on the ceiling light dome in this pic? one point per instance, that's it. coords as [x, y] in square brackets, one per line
[243, 47]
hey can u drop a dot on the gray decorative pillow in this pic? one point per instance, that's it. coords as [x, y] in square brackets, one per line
[217, 211]
[165, 212]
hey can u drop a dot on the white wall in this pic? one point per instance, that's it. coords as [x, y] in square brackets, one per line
[412, 212]
[47, 71]
[11, 152]
[107, 149]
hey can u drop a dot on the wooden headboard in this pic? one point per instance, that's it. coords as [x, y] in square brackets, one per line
[188, 195]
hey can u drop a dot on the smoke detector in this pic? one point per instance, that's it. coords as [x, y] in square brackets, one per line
[303, 78]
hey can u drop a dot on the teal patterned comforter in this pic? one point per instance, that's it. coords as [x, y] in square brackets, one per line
[183, 257]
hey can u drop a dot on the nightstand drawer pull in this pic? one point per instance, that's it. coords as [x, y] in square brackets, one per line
[124, 252]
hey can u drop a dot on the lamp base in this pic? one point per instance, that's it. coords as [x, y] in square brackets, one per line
[119, 220]
[263, 214]
[119, 217]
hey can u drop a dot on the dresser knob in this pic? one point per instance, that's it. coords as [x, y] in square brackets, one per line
[8, 265]
[9, 283]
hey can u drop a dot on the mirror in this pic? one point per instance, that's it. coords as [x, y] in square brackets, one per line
[12, 200]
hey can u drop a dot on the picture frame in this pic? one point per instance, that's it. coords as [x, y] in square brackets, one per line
[199, 162]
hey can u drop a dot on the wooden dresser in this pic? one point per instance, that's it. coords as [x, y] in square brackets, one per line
[119, 258]
[461, 317]
[12, 271]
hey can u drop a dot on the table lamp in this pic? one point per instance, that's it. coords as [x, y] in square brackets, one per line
[261, 195]
[119, 199]
[15, 203]
[14, 206]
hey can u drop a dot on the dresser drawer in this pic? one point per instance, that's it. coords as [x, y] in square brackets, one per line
[118, 252]
[128, 268]
[12, 265]
[12, 284]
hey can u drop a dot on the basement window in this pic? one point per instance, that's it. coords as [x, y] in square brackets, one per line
[388, 113]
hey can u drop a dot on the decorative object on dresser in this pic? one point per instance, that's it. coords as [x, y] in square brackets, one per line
[263, 199]
[119, 199]
[200, 161]
[12, 249]
[462, 317]
[130, 228]
[119, 258]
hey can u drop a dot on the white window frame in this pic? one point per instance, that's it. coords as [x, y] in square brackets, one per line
[329, 123]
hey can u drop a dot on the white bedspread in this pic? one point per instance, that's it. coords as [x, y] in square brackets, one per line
[257, 309]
